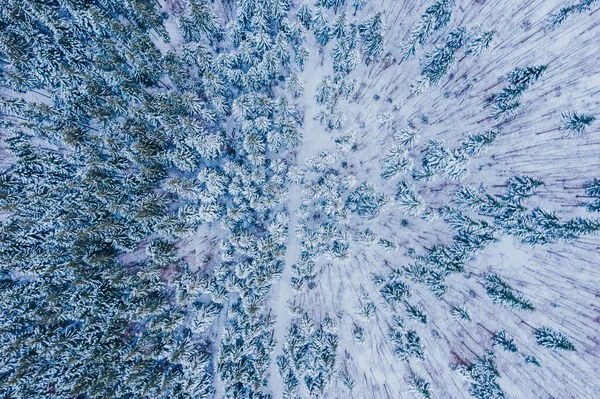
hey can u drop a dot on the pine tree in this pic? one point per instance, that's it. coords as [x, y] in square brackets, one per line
[483, 376]
[416, 312]
[366, 202]
[460, 313]
[523, 78]
[371, 32]
[419, 386]
[574, 122]
[322, 29]
[532, 360]
[549, 338]
[475, 144]
[305, 16]
[503, 340]
[435, 17]
[556, 18]
[479, 44]
[502, 293]
[505, 103]
[395, 292]
[408, 201]
[519, 188]
[407, 344]
[358, 5]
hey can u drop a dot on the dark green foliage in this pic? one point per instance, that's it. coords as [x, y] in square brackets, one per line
[592, 189]
[523, 78]
[549, 338]
[419, 386]
[199, 20]
[519, 188]
[460, 313]
[532, 360]
[503, 340]
[358, 5]
[322, 29]
[366, 202]
[483, 376]
[309, 353]
[505, 103]
[574, 122]
[556, 18]
[437, 62]
[435, 17]
[479, 43]
[407, 343]
[475, 144]
[416, 312]
[536, 227]
[305, 15]
[407, 200]
[371, 32]
[395, 292]
[105, 168]
[502, 293]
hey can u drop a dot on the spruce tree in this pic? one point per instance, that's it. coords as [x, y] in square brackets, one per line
[549, 338]
[573, 122]
[371, 32]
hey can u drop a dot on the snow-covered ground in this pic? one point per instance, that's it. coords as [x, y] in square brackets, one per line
[562, 280]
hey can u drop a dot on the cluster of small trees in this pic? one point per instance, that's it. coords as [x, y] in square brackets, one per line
[535, 227]
[505, 103]
[83, 190]
[419, 386]
[406, 342]
[438, 160]
[351, 39]
[483, 377]
[436, 16]
[436, 63]
[309, 356]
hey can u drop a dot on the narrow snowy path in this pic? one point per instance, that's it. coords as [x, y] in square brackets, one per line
[314, 140]
[282, 292]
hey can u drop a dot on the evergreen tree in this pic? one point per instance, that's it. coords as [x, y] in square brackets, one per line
[435, 17]
[358, 5]
[395, 292]
[505, 103]
[406, 343]
[371, 32]
[305, 15]
[556, 18]
[502, 293]
[322, 29]
[480, 43]
[519, 188]
[549, 338]
[475, 144]
[408, 201]
[483, 376]
[532, 360]
[574, 122]
[419, 386]
[503, 340]
[460, 313]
